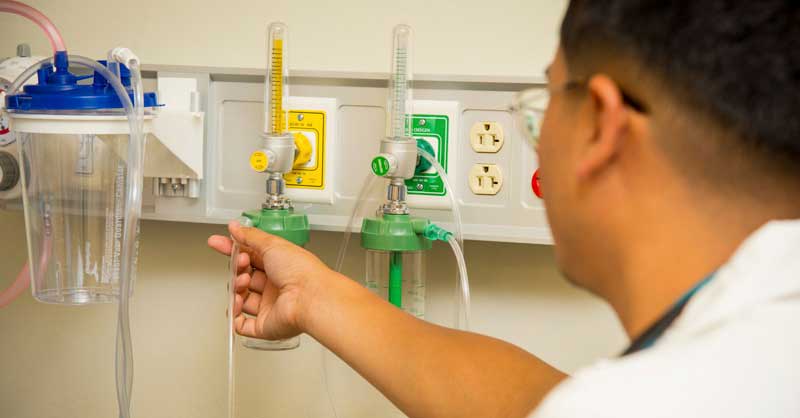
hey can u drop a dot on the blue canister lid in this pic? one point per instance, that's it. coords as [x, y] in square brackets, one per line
[58, 89]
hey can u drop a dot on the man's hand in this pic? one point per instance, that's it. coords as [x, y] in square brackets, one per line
[275, 282]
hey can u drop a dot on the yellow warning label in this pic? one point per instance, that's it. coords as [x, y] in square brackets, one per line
[311, 174]
[259, 161]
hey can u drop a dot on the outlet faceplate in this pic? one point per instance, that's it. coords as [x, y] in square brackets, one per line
[485, 179]
[486, 137]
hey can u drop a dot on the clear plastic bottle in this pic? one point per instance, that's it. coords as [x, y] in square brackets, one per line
[73, 151]
[410, 265]
[74, 191]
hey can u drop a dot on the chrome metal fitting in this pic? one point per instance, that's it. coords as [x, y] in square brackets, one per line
[396, 198]
[276, 198]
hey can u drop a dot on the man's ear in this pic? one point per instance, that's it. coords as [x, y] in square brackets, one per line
[611, 119]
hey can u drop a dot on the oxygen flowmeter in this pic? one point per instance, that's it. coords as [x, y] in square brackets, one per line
[279, 152]
[395, 240]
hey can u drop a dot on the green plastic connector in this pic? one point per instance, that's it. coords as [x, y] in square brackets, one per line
[434, 232]
[285, 223]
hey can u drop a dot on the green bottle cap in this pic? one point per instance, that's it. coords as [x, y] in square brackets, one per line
[285, 223]
[394, 233]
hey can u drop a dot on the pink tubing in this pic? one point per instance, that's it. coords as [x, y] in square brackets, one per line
[23, 279]
[22, 283]
[17, 288]
[15, 7]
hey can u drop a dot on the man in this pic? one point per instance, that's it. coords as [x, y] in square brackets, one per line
[670, 153]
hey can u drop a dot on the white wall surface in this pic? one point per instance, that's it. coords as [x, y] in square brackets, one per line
[58, 361]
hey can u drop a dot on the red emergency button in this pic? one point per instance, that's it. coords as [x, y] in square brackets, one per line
[537, 188]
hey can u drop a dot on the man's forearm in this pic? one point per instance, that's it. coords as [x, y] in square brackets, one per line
[426, 370]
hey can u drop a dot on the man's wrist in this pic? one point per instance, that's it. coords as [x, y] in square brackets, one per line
[312, 299]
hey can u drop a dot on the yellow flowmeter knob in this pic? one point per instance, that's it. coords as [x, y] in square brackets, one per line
[303, 149]
[259, 161]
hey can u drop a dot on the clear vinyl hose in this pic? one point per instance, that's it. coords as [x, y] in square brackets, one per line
[234, 270]
[459, 233]
[133, 210]
[369, 183]
[466, 304]
[456, 244]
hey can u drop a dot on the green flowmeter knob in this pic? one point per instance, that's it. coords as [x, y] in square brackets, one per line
[384, 165]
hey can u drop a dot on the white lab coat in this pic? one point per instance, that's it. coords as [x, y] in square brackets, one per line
[733, 352]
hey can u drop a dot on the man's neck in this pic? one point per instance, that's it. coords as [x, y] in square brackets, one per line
[668, 258]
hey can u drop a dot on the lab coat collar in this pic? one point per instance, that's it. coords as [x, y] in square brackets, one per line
[764, 270]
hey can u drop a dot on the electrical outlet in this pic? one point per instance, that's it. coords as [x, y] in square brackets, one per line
[486, 137]
[485, 179]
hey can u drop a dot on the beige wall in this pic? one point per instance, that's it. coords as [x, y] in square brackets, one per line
[58, 361]
[452, 37]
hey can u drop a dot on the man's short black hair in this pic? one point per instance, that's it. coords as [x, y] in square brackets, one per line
[736, 63]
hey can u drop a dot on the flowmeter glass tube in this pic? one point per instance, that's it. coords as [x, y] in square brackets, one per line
[398, 124]
[276, 82]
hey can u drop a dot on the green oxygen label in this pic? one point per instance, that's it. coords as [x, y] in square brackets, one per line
[431, 133]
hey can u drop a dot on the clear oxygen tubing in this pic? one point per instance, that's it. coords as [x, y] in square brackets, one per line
[21, 9]
[458, 232]
[124, 358]
[369, 183]
[456, 244]
[466, 299]
[232, 330]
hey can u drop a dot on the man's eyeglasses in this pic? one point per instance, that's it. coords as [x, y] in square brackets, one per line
[529, 105]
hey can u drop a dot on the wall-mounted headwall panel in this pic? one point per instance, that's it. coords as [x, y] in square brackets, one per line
[342, 117]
